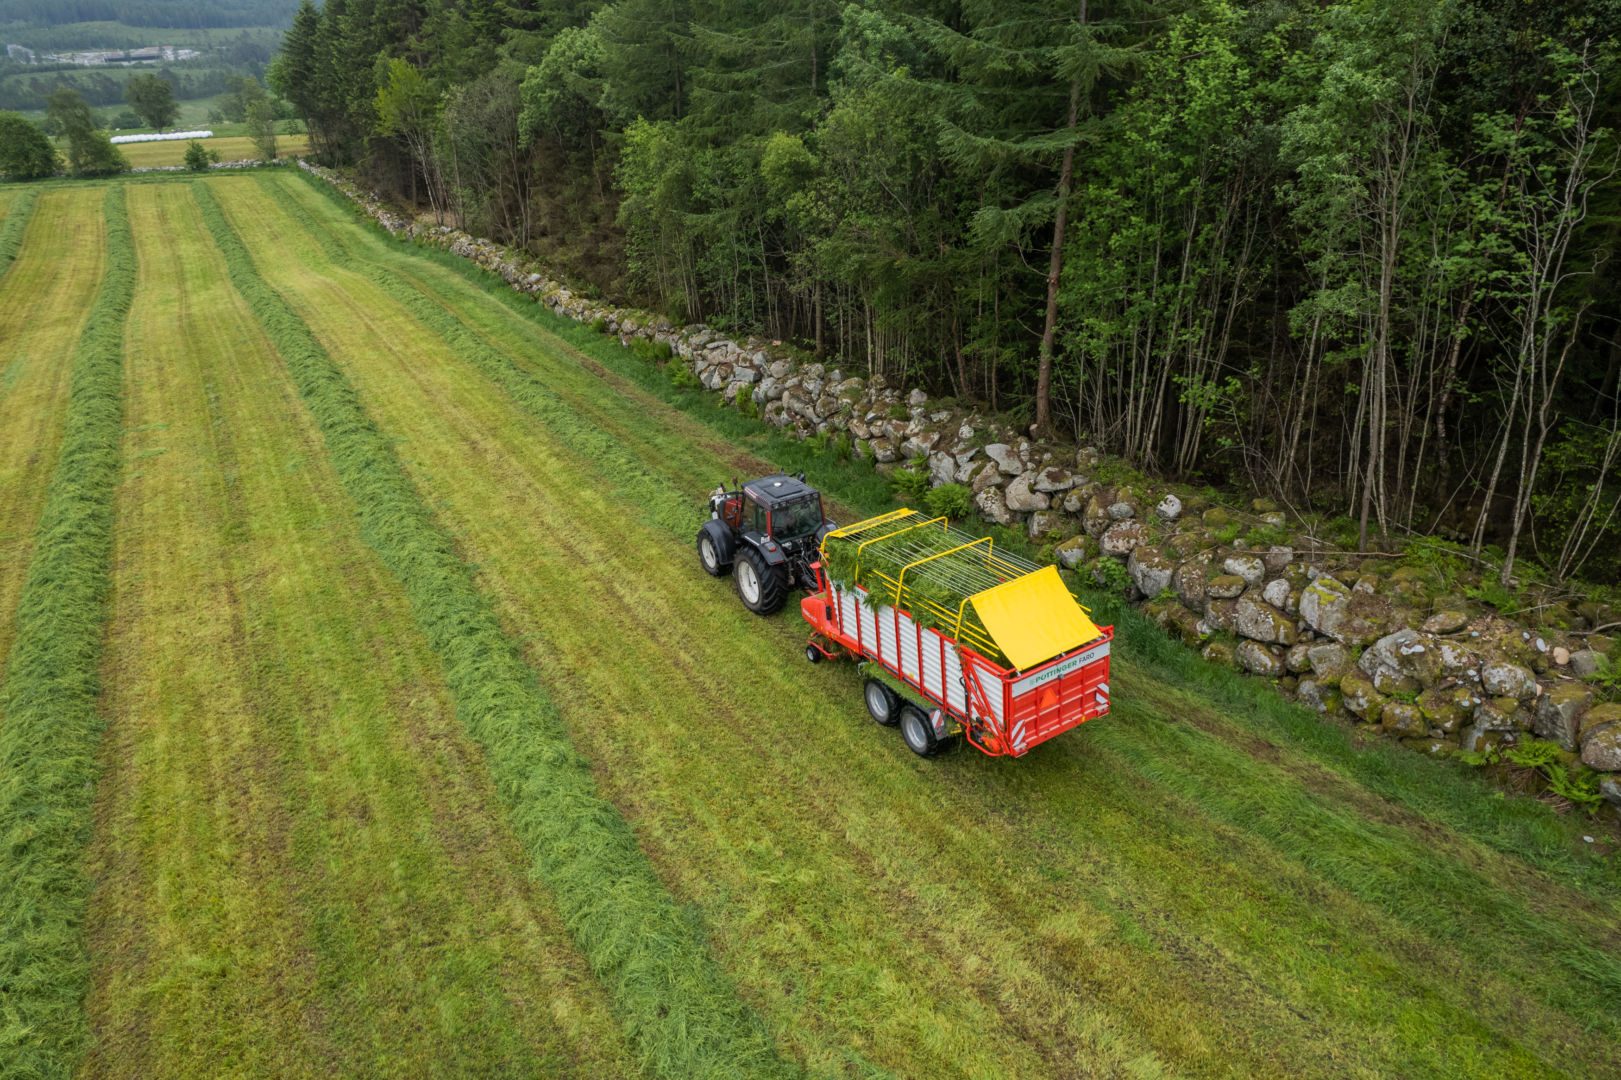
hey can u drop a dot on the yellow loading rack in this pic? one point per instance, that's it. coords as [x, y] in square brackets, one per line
[1008, 609]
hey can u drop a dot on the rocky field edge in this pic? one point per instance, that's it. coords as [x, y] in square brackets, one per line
[1394, 645]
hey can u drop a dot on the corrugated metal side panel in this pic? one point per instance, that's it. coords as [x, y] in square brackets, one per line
[956, 695]
[888, 649]
[869, 624]
[908, 633]
[933, 668]
[849, 611]
[991, 685]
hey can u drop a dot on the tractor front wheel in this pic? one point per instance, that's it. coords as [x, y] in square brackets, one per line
[763, 587]
[715, 550]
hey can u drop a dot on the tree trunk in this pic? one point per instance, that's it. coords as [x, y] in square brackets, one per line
[1055, 265]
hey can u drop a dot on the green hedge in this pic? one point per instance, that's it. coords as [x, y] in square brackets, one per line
[683, 1014]
[16, 223]
[49, 724]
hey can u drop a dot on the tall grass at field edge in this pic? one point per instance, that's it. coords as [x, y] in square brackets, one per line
[676, 1005]
[12, 229]
[1441, 790]
[49, 723]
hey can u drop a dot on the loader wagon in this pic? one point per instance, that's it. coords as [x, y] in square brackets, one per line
[999, 648]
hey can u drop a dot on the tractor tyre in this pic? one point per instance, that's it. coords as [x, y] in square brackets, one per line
[883, 704]
[715, 549]
[763, 587]
[917, 732]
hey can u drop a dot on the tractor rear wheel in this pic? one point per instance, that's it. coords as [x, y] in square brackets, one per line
[918, 732]
[763, 587]
[883, 704]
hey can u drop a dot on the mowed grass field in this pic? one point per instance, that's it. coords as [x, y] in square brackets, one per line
[426, 748]
[228, 147]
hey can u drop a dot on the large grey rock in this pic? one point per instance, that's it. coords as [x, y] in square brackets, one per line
[1498, 714]
[1248, 567]
[1449, 621]
[1122, 510]
[1150, 570]
[1298, 658]
[1169, 508]
[942, 468]
[1324, 604]
[1503, 679]
[1601, 747]
[1404, 660]
[1329, 661]
[1121, 538]
[993, 507]
[1403, 720]
[1277, 558]
[1276, 593]
[1005, 457]
[1224, 586]
[1072, 552]
[1585, 663]
[1021, 499]
[1046, 523]
[1189, 582]
[1259, 621]
[1053, 479]
[1351, 618]
[1559, 714]
[1257, 659]
[1323, 696]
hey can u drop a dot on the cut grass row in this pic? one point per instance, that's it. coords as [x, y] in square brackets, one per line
[678, 1009]
[44, 302]
[300, 861]
[15, 212]
[1347, 861]
[49, 724]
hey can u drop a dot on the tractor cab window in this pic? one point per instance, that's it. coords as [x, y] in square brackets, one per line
[801, 517]
[754, 517]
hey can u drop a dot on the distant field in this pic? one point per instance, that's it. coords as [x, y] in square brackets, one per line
[229, 148]
[425, 747]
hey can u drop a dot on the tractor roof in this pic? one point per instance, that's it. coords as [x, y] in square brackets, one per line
[781, 488]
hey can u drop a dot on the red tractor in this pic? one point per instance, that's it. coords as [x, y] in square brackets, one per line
[767, 533]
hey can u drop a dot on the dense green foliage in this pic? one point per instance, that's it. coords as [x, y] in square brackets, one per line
[51, 725]
[157, 13]
[90, 153]
[1355, 255]
[676, 1004]
[199, 157]
[152, 99]
[25, 152]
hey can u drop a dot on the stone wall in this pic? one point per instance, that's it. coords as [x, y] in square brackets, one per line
[1376, 641]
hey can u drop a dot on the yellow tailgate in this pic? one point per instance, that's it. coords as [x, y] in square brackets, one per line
[1034, 618]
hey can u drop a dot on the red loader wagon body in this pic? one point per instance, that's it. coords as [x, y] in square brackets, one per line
[965, 662]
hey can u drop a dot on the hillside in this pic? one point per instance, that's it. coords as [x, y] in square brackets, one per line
[366, 712]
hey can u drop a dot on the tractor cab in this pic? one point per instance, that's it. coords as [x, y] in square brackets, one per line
[768, 530]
